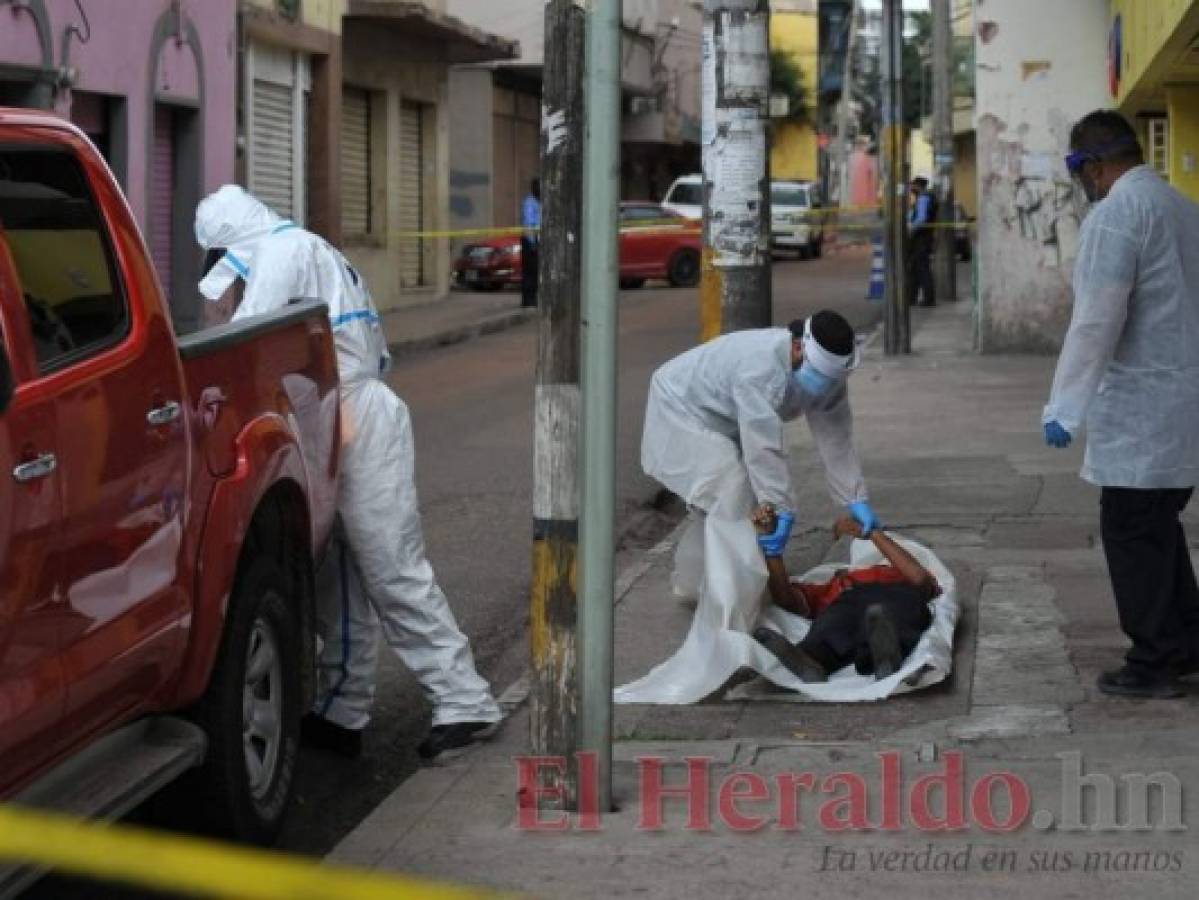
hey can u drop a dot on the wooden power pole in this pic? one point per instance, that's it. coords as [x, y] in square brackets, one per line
[896, 323]
[944, 265]
[735, 292]
[553, 614]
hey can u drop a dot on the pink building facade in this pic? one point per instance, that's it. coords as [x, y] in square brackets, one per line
[153, 83]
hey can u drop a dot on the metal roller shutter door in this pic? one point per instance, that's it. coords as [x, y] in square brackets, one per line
[162, 197]
[272, 172]
[355, 162]
[411, 195]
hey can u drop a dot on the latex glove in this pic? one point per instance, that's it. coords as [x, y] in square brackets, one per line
[773, 544]
[1056, 435]
[864, 513]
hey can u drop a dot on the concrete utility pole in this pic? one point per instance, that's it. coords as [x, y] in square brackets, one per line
[896, 325]
[735, 291]
[601, 178]
[944, 265]
[554, 701]
[843, 148]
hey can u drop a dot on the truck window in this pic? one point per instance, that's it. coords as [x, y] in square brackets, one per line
[65, 266]
[687, 193]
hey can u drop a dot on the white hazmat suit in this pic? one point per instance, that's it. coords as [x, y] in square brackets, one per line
[1129, 368]
[717, 411]
[714, 436]
[384, 578]
[724, 403]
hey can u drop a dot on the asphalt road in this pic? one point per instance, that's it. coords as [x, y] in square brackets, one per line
[472, 407]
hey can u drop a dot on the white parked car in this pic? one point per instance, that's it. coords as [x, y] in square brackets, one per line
[796, 218]
[686, 197]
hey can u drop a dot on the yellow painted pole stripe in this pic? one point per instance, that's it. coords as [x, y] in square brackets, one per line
[196, 867]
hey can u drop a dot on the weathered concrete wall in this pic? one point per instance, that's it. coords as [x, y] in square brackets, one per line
[397, 68]
[1032, 85]
[471, 149]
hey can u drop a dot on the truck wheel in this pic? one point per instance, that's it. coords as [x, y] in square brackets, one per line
[251, 711]
[683, 270]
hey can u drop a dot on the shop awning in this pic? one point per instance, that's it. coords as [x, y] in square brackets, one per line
[465, 43]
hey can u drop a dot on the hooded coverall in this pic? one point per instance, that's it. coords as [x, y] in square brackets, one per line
[383, 578]
[722, 405]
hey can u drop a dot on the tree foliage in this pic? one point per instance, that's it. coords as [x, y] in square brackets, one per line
[786, 79]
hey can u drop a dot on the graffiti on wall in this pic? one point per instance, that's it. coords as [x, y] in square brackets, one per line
[1045, 208]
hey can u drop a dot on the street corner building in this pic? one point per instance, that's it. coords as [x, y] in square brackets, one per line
[151, 84]
[1139, 58]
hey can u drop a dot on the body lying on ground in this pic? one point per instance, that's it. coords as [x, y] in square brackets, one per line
[872, 617]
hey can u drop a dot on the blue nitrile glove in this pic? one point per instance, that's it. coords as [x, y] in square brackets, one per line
[1056, 435]
[864, 513]
[773, 544]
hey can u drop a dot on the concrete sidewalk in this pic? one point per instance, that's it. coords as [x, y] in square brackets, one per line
[457, 317]
[954, 458]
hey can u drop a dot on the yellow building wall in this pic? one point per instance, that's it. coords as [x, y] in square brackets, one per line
[1182, 104]
[965, 173]
[1146, 25]
[794, 147]
[920, 155]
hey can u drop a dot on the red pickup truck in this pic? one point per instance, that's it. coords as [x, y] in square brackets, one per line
[163, 502]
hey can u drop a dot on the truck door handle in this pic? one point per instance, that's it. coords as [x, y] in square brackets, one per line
[165, 414]
[35, 468]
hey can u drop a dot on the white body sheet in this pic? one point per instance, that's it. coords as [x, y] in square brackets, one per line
[722, 549]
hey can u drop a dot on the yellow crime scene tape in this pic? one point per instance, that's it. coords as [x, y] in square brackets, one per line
[196, 867]
[661, 224]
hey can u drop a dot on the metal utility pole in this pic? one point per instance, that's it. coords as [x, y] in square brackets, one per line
[843, 149]
[554, 701]
[735, 292]
[896, 325]
[944, 265]
[601, 177]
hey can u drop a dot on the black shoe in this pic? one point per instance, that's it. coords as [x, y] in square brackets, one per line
[448, 741]
[317, 731]
[797, 662]
[1128, 682]
[883, 641]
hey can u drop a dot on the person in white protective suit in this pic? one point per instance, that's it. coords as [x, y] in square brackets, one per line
[1129, 374]
[722, 405]
[384, 581]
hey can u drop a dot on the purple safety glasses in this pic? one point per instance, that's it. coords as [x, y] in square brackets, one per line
[1079, 158]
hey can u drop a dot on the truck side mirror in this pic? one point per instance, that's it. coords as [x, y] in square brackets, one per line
[6, 380]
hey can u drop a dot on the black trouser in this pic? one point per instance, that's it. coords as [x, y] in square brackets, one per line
[838, 635]
[528, 272]
[1152, 578]
[920, 267]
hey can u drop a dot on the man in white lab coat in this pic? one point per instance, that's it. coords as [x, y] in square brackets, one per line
[1129, 374]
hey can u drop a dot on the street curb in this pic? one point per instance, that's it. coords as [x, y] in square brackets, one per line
[517, 692]
[462, 333]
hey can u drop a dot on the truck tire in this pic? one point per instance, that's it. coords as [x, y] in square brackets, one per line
[251, 711]
[683, 270]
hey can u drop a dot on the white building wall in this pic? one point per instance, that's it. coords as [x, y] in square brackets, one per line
[1032, 85]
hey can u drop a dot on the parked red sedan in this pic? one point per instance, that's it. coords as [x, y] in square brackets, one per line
[654, 243]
